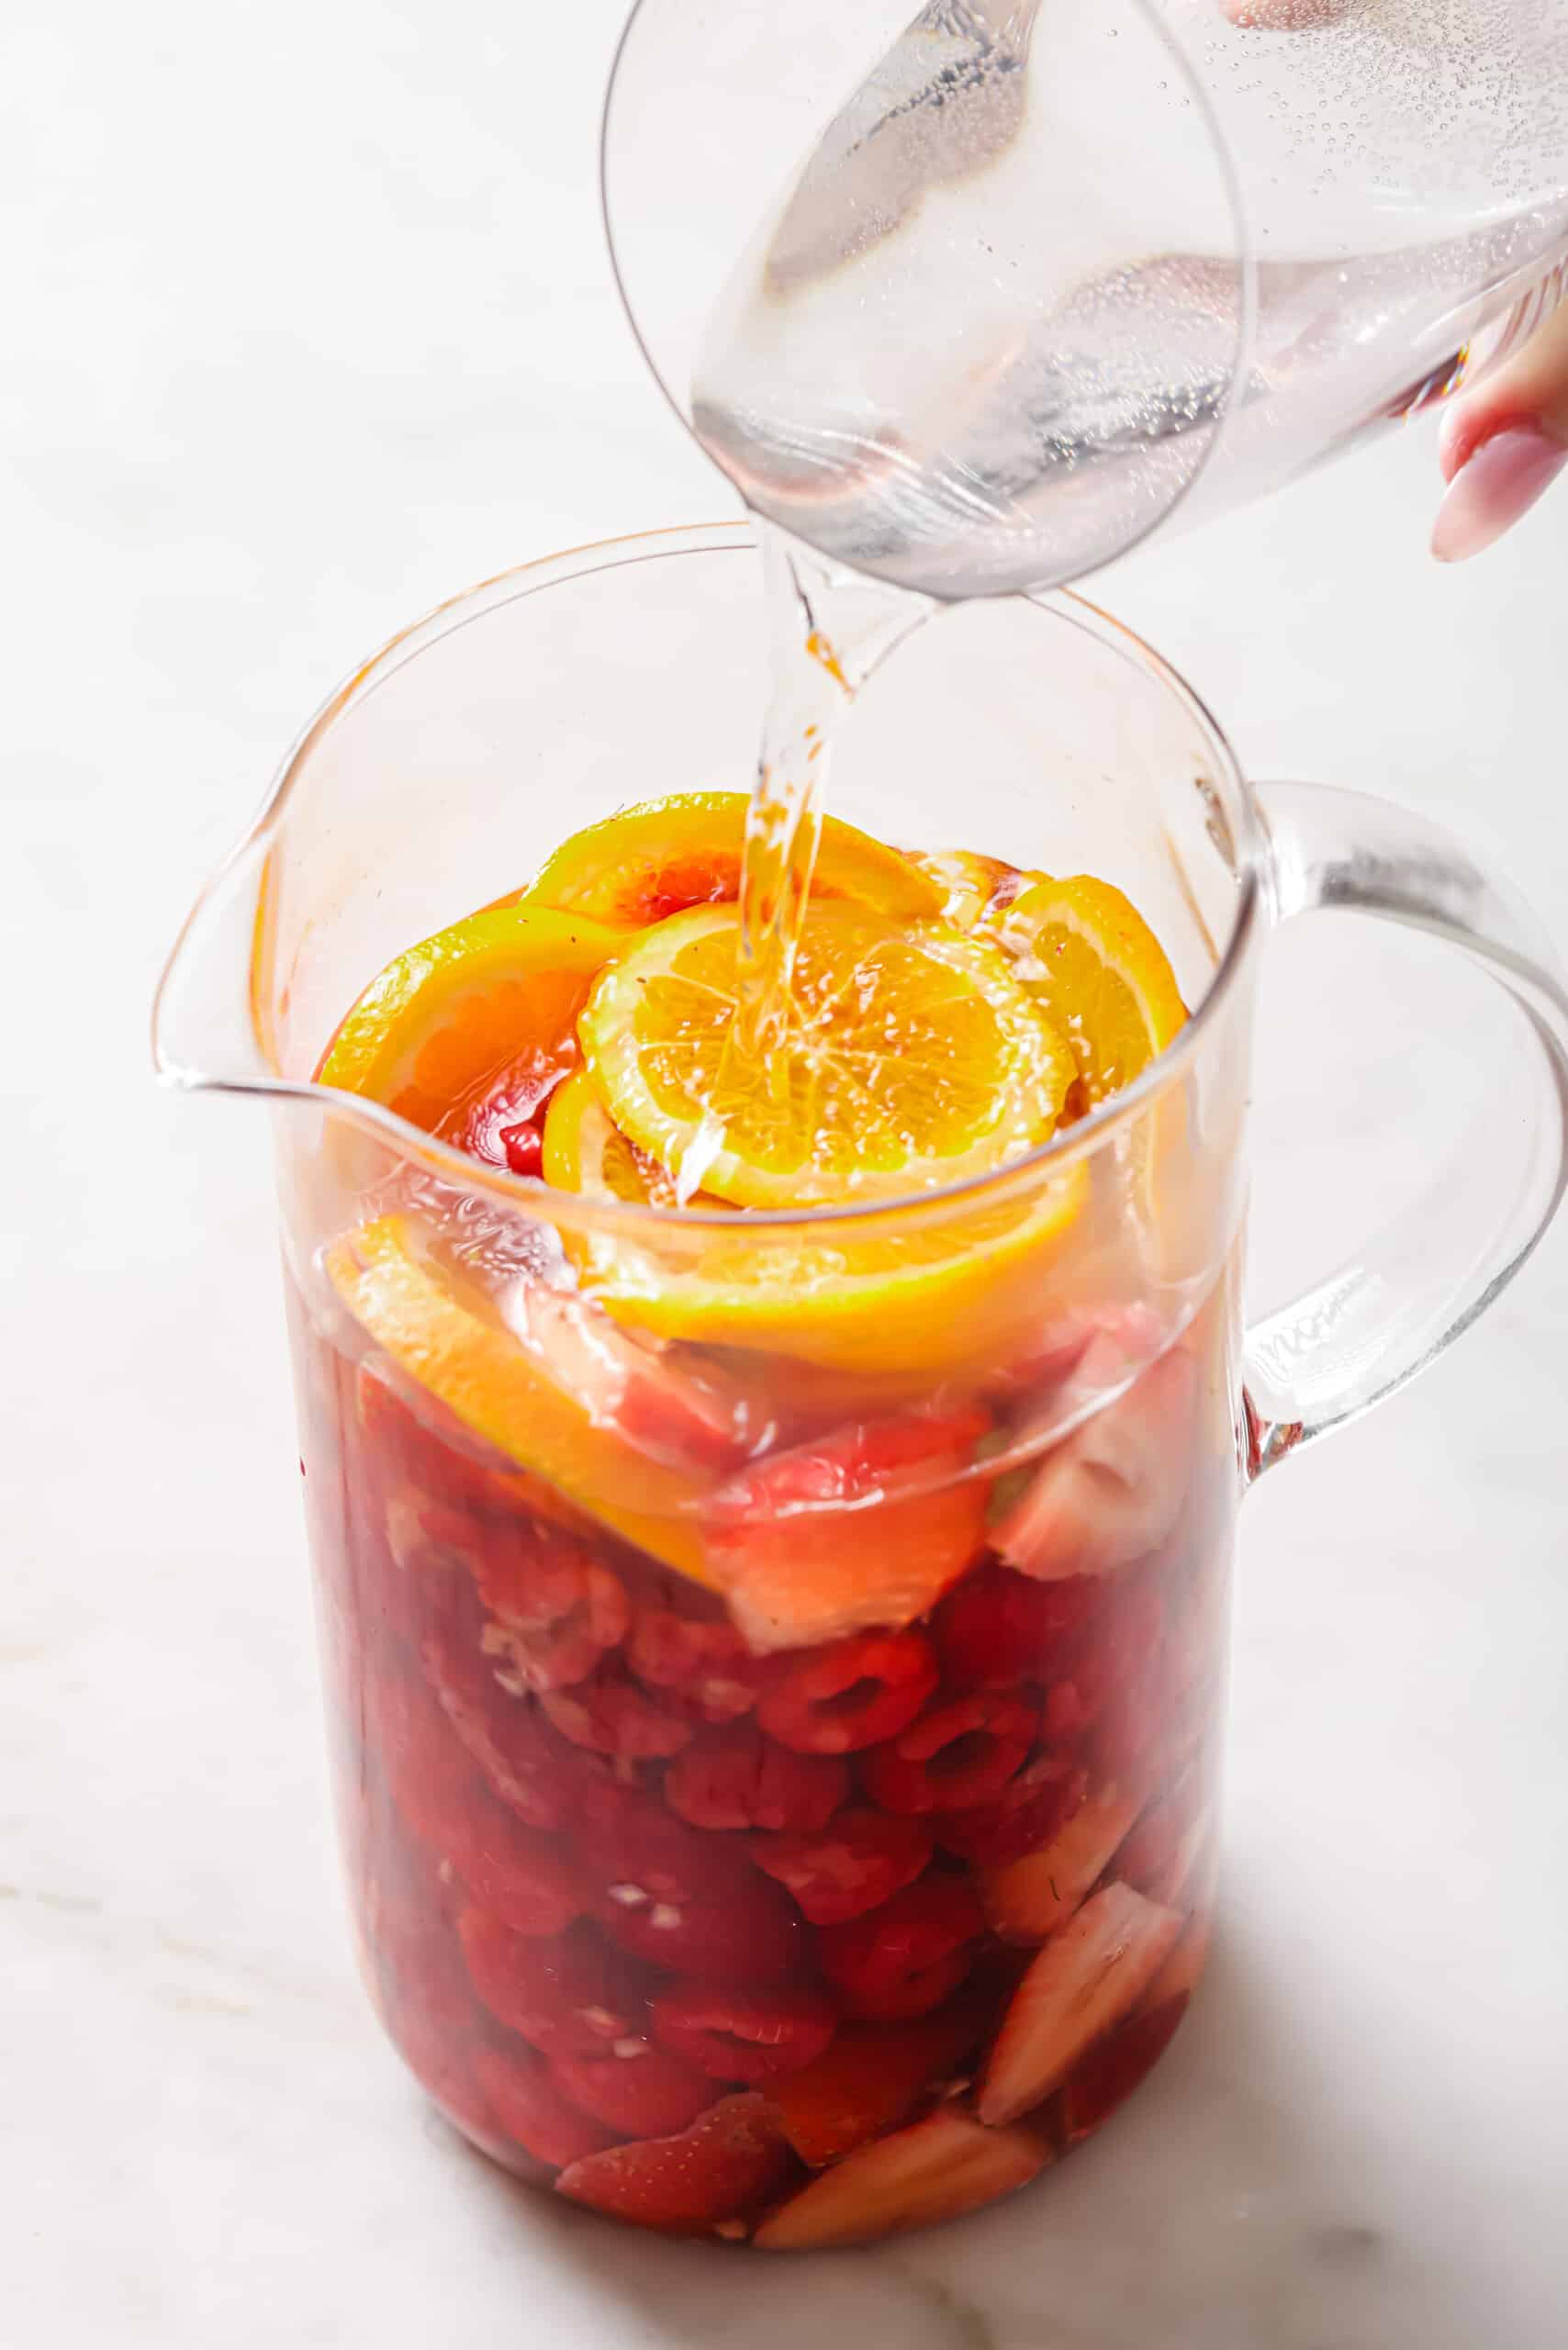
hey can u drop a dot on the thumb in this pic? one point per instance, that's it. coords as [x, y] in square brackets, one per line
[1503, 443]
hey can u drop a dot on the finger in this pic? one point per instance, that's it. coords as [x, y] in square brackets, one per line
[1504, 444]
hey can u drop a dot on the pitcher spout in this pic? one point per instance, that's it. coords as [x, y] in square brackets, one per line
[209, 1017]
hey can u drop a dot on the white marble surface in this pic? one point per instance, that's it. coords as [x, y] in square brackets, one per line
[308, 324]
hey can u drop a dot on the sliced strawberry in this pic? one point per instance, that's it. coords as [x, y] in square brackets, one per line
[1030, 1898]
[1183, 1971]
[953, 1757]
[1029, 1811]
[612, 1714]
[858, 1861]
[634, 2088]
[906, 1958]
[731, 2161]
[559, 1612]
[734, 2035]
[1160, 1854]
[1125, 1680]
[1081, 1986]
[529, 1767]
[682, 1900]
[871, 2078]
[866, 1526]
[709, 1664]
[665, 1409]
[1110, 2073]
[1110, 1492]
[941, 2167]
[524, 2099]
[851, 1696]
[998, 1629]
[737, 1778]
[568, 1997]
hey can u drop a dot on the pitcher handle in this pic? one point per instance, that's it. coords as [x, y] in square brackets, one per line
[1392, 1308]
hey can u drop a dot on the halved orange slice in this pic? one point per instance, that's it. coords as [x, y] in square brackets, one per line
[498, 993]
[1087, 952]
[659, 858]
[907, 1057]
[976, 889]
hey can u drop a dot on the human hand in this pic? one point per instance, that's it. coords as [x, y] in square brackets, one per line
[1503, 443]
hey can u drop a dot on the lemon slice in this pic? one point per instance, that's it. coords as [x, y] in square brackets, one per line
[907, 1057]
[530, 1390]
[501, 989]
[664, 855]
[1085, 950]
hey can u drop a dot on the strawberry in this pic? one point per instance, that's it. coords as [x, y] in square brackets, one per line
[853, 1695]
[1160, 1854]
[1183, 1971]
[559, 1613]
[521, 1877]
[1030, 1898]
[906, 1958]
[707, 1663]
[936, 2170]
[863, 1527]
[729, 2161]
[998, 1629]
[859, 1860]
[634, 2089]
[682, 1900]
[526, 2103]
[741, 2036]
[1109, 1493]
[673, 1413]
[1030, 1811]
[538, 1774]
[737, 1778]
[1111, 2072]
[1085, 1980]
[569, 1996]
[870, 2079]
[951, 1758]
[612, 1714]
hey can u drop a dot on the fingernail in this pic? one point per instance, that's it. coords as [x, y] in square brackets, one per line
[1492, 489]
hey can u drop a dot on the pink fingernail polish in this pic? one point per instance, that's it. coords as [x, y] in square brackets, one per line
[1492, 489]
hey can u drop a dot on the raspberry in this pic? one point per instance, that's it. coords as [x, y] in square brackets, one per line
[953, 1758]
[521, 1877]
[678, 1899]
[852, 1694]
[905, 1958]
[999, 1628]
[732, 2160]
[736, 1778]
[559, 1613]
[610, 1715]
[707, 1663]
[856, 1864]
[528, 2106]
[524, 1147]
[636, 2090]
[431, 1780]
[531, 1770]
[1028, 1813]
[738, 2036]
[569, 1996]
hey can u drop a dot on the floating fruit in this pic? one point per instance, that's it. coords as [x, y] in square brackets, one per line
[938, 2170]
[735, 1777]
[1083, 1983]
[1110, 1492]
[731, 2161]
[569, 1996]
[871, 2078]
[954, 1756]
[859, 1860]
[1031, 1898]
[1094, 959]
[847, 1696]
[737, 2035]
[523, 2096]
[906, 1958]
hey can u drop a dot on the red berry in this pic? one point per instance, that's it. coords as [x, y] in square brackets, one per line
[521, 1877]
[852, 1694]
[856, 1864]
[681, 1900]
[431, 1779]
[999, 1628]
[559, 1613]
[952, 1758]
[732, 2160]
[610, 1715]
[1028, 1813]
[530, 1768]
[737, 1778]
[529, 2108]
[1112, 2071]
[636, 2090]
[905, 1958]
[734, 2035]
[569, 1996]
[707, 1663]
[524, 1147]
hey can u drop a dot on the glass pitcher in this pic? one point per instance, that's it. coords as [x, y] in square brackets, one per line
[778, 1778]
[979, 301]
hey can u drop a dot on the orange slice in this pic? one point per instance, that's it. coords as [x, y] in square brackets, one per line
[1085, 950]
[907, 1057]
[664, 855]
[498, 993]
[975, 889]
[523, 1388]
[586, 1152]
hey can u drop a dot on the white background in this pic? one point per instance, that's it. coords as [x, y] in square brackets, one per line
[308, 324]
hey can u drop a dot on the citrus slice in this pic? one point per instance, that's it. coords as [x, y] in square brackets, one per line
[664, 855]
[976, 889]
[1088, 954]
[586, 1152]
[534, 1385]
[498, 993]
[906, 1057]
